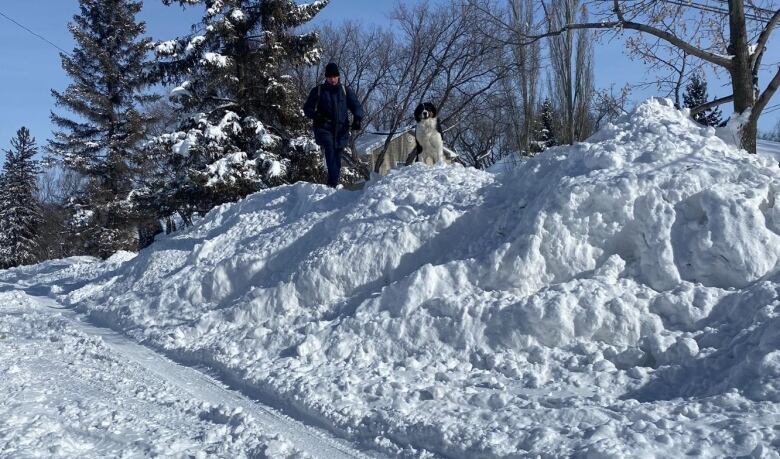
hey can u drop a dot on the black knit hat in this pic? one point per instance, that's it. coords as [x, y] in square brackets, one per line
[331, 70]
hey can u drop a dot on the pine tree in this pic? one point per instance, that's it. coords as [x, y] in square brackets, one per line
[101, 140]
[20, 216]
[696, 95]
[244, 121]
[544, 128]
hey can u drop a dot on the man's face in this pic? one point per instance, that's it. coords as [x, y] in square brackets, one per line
[333, 80]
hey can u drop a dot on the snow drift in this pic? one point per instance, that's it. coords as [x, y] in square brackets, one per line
[599, 300]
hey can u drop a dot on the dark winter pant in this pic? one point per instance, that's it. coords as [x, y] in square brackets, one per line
[332, 158]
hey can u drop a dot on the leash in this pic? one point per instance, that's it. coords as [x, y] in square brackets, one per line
[408, 128]
[399, 131]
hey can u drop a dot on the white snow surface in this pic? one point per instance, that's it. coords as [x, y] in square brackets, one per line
[194, 43]
[769, 149]
[216, 59]
[229, 168]
[615, 298]
[68, 394]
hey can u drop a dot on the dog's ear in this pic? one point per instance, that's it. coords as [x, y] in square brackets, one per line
[418, 112]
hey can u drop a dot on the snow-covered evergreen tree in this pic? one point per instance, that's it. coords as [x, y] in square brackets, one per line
[544, 128]
[696, 95]
[20, 216]
[243, 125]
[102, 136]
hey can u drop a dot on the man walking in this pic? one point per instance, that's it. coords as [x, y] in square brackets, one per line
[327, 105]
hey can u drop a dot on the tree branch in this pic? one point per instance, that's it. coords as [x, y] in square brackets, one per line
[622, 23]
[762, 41]
[709, 105]
[713, 58]
[770, 90]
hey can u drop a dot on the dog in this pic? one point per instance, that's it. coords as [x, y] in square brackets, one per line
[430, 148]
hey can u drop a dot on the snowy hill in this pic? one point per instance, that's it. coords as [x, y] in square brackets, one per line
[615, 298]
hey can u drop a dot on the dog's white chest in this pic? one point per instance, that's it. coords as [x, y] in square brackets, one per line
[430, 141]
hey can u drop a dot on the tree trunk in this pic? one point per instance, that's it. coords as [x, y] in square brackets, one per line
[741, 73]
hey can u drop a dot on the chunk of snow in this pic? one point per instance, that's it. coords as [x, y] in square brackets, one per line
[216, 59]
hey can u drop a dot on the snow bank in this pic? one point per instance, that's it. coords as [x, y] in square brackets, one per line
[559, 309]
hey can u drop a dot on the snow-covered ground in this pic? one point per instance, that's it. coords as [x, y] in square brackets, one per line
[71, 389]
[67, 394]
[617, 298]
[769, 149]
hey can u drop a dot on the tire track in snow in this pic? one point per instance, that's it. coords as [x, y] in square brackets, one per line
[204, 387]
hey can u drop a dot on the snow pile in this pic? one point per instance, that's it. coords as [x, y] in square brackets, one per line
[559, 309]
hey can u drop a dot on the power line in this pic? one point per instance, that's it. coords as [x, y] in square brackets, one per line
[32, 32]
[712, 9]
[718, 9]
[752, 7]
[771, 109]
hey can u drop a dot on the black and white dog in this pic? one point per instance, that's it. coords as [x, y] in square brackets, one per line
[430, 149]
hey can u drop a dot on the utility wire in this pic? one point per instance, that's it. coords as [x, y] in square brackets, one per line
[30, 31]
[717, 9]
[771, 109]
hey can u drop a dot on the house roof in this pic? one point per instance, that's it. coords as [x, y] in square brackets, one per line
[370, 141]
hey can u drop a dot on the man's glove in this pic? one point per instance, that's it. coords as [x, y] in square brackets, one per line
[321, 118]
[356, 125]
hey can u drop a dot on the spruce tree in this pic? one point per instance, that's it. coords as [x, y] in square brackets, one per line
[243, 125]
[102, 136]
[696, 95]
[544, 128]
[20, 216]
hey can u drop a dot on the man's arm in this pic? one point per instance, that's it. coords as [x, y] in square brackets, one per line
[311, 103]
[354, 105]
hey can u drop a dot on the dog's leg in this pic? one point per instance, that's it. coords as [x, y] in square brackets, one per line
[437, 148]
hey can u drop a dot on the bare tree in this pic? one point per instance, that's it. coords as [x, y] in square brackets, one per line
[609, 105]
[444, 59]
[365, 59]
[55, 186]
[426, 54]
[671, 66]
[527, 59]
[571, 81]
[735, 42]
[484, 140]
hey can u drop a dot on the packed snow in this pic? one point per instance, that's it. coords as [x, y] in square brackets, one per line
[615, 298]
[769, 150]
[67, 394]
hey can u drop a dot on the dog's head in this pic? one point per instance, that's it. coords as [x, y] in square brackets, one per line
[425, 111]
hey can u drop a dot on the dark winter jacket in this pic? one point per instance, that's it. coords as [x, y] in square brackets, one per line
[331, 120]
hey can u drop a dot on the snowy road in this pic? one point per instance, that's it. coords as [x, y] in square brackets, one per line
[111, 383]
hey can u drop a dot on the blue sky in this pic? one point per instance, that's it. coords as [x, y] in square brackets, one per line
[31, 68]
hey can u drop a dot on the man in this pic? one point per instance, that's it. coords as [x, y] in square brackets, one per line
[327, 105]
